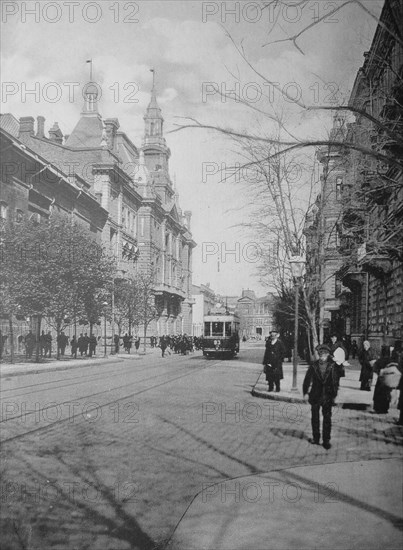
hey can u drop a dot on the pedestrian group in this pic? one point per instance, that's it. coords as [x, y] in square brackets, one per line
[322, 379]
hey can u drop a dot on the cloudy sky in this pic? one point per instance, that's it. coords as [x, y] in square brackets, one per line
[45, 45]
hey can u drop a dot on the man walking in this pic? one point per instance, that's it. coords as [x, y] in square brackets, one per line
[321, 381]
[163, 346]
[116, 342]
[367, 359]
[80, 344]
[30, 342]
[273, 360]
[62, 342]
[48, 341]
[92, 344]
[42, 343]
[74, 346]
[86, 343]
[127, 342]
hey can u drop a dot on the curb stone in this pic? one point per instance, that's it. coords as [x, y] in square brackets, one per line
[52, 368]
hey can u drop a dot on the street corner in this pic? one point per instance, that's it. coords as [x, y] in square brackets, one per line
[260, 389]
[304, 504]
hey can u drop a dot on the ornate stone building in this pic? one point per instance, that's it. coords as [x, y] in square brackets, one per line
[130, 191]
[373, 267]
[323, 258]
[32, 188]
[354, 236]
[256, 314]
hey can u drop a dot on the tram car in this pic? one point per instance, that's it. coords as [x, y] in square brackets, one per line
[220, 334]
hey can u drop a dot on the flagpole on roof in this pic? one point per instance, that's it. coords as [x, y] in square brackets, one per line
[90, 62]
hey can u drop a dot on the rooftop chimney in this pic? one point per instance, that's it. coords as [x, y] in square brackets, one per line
[111, 127]
[55, 134]
[27, 126]
[40, 126]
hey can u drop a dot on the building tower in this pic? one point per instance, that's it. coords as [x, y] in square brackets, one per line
[156, 151]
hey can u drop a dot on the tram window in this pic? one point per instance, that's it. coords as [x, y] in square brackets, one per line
[228, 330]
[218, 329]
[207, 329]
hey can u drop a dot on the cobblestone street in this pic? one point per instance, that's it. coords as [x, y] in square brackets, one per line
[112, 456]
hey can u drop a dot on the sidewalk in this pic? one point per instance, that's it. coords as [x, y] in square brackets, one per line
[47, 365]
[19, 367]
[321, 507]
[350, 396]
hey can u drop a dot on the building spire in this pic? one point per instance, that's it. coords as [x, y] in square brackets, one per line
[153, 118]
[155, 148]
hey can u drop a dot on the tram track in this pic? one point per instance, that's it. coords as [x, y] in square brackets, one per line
[102, 376]
[86, 396]
[98, 406]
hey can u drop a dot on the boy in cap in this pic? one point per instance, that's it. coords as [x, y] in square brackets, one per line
[321, 381]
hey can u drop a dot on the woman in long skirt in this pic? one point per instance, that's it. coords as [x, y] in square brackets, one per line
[382, 393]
[367, 359]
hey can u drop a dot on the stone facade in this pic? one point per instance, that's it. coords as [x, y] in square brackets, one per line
[323, 258]
[375, 259]
[125, 192]
[32, 188]
[354, 232]
[256, 314]
[204, 301]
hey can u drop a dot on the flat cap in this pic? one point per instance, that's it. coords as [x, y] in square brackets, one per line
[323, 347]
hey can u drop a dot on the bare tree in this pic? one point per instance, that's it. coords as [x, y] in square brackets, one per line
[371, 144]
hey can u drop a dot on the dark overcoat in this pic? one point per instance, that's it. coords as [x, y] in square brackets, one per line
[364, 357]
[274, 356]
[322, 388]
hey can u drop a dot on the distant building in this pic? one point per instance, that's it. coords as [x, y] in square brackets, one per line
[229, 302]
[204, 301]
[256, 314]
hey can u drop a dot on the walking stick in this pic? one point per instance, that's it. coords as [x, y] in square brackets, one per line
[260, 374]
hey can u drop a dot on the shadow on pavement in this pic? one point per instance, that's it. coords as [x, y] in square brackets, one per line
[86, 513]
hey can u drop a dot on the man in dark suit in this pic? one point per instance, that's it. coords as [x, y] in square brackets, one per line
[30, 342]
[116, 341]
[322, 382]
[273, 360]
[80, 344]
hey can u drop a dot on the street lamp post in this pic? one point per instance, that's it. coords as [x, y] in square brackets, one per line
[297, 267]
[105, 304]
